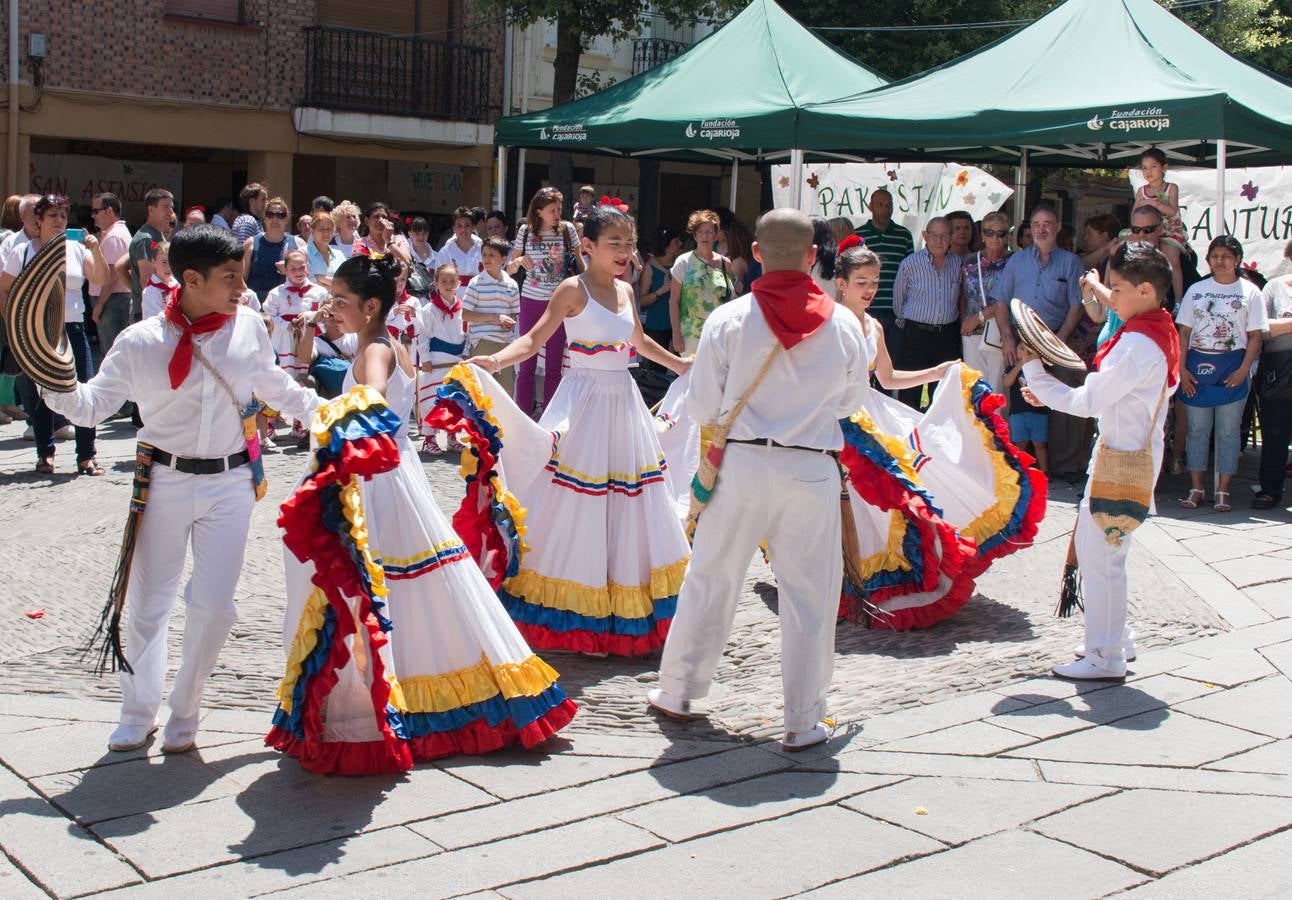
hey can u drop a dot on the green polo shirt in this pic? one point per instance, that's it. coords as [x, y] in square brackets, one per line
[141, 247]
[892, 245]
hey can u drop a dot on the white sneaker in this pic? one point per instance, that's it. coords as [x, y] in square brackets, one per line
[267, 445]
[794, 741]
[66, 433]
[29, 434]
[1128, 648]
[180, 735]
[670, 706]
[1092, 667]
[130, 737]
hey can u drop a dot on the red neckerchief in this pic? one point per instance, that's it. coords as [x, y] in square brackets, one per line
[299, 291]
[1158, 326]
[449, 310]
[793, 305]
[167, 290]
[182, 359]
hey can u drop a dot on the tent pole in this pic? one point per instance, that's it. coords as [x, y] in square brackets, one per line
[735, 174]
[796, 179]
[1221, 148]
[520, 184]
[501, 193]
[1020, 189]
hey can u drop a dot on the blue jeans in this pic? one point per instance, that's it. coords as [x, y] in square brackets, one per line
[44, 422]
[1228, 420]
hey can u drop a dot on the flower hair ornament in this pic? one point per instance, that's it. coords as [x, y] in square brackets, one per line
[852, 240]
[613, 202]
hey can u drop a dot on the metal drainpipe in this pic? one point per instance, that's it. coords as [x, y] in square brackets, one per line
[11, 162]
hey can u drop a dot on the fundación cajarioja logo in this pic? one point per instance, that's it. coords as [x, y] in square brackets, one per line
[713, 129]
[563, 133]
[1143, 118]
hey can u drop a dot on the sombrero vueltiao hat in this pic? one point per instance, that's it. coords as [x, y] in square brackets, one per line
[1037, 335]
[34, 318]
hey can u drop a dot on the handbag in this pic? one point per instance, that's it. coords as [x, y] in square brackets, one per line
[1275, 374]
[991, 328]
[420, 280]
[1121, 484]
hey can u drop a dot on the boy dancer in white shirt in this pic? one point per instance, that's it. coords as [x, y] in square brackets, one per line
[778, 479]
[193, 371]
[1136, 372]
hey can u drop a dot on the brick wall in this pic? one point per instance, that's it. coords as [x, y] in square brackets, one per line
[131, 47]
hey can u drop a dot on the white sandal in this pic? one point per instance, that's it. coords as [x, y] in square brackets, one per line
[1195, 498]
[1222, 505]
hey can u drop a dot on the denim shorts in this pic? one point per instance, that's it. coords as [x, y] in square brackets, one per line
[1029, 426]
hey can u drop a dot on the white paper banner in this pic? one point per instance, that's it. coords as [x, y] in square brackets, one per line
[1258, 210]
[81, 178]
[920, 190]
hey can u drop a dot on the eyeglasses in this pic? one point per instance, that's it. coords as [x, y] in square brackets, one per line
[938, 235]
[991, 232]
[279, 214]
[95, 212]
[1144, 229]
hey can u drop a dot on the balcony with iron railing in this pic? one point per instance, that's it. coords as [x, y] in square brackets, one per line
[649, 52]
[364, 71]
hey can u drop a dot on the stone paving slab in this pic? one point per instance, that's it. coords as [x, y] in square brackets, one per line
[1274, 758]
[957, 810]
[1156, 738]
[754, 800]
[1257, 870]
[769, 859]
[60, 856]
[970, 739]
[1254, 570]
[882, 762]
[1263, 706]
[1169, 779]
[1214, 548]
[1100, 707]
[303, 866]
[138, 786]
[1157, 831]
[505, 862]
[564, 805]
[1015, 865]
[282, 813]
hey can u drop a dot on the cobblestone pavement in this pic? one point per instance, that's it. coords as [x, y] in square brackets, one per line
[953, 757]
[66, 533]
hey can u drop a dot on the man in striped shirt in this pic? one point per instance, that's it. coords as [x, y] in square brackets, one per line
[926, 304]
[893, 243]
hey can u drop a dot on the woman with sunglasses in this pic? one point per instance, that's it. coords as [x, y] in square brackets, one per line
[85, 262]
[261, 263]
[982, 346]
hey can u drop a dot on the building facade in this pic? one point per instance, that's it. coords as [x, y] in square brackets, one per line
[307, 96]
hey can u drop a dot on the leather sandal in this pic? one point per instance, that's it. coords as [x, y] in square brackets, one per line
[1263, 501]
[44, 467]
[90, 467]
[1222, 505]
[1195, 498]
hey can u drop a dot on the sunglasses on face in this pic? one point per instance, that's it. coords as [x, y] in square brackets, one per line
[276, 214]
[991, 232]
[1143, 229]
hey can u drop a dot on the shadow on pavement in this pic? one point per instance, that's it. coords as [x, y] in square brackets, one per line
[1119, 706]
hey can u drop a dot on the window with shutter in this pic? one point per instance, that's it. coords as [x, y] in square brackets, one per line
[210, 10]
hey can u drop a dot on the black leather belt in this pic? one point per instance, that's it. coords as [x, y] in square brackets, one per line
[191, 466]
[936, 329]
[768, 442]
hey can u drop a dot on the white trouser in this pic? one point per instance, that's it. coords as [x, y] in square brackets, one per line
[790, 497]
[215, 510]
[987, 360]
[1103, 587]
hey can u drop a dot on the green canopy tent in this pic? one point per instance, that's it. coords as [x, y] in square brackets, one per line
[1091, 83]
[733, 97]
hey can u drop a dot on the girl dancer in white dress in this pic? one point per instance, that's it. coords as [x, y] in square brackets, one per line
[437, 668]
[605, 551]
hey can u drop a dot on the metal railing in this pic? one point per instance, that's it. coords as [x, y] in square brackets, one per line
[650, 52]
[364, 71]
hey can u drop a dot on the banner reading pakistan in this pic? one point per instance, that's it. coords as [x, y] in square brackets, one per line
[920, 190]
[1258, 210]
